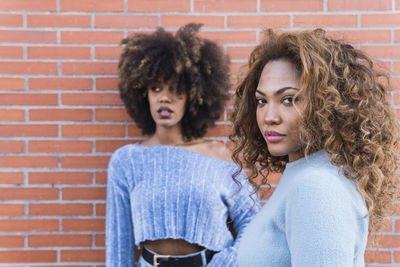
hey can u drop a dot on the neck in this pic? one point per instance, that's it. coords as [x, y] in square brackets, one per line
[167, 136]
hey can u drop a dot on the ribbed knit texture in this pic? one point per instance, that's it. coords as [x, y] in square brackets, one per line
[315, 217]
[159, 192]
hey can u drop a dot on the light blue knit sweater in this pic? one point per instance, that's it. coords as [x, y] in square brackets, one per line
[158, 192]
[315, 217]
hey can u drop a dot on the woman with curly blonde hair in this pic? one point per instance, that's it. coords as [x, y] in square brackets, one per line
[315, 109]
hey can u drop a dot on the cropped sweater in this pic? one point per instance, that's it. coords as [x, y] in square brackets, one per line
[159, 192]
[315, 217]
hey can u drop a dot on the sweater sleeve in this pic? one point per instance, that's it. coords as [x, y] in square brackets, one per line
[242, 205]
[119, 231]
[322, 223]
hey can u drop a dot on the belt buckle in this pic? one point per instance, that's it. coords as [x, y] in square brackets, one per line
[156, 257]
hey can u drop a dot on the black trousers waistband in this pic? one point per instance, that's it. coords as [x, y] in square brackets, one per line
[196, 260]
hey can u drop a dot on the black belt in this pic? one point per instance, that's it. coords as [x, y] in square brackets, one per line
[171, 261]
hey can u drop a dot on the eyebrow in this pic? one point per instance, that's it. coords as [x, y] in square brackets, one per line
[280, 91]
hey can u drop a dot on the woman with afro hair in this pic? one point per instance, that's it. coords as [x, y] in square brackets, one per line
[315, 109]
[172, 194]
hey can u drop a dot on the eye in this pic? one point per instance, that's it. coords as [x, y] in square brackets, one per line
[260, 101]
[155, 88]
[287, 100]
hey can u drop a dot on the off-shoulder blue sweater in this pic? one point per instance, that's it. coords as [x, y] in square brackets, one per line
[159, 192]
[315, 217]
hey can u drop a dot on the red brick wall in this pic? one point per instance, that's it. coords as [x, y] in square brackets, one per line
[61, 116]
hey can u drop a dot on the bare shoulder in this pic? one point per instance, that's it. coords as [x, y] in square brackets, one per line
[215, 149]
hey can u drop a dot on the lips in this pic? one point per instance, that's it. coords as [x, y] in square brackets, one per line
[164, 112]
[273, 136]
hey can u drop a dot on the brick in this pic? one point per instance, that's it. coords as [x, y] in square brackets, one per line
[93, 130]
[258, 21]
[397, 253]
[108, 52]
[91, 37]
[59, 240]
[387, 226]
[361, 5]
[100, 209]
[101, 177]
[286, 6]
[28, 256]
[382, 66]
[84, 193]
[55, 83]
[364, 36]
[397, 99]
[231, 36]
[11, 210]
[325, 21]
[389, 241]
[397, 4]
[234, 68]
[28, 162]
[11, 20]
[134, 131]
[29, 225]
[85, 162]
[220, 130]
[240, 52]
[158, 5]
[28, 193]
[97, 99]
[60, 178]
[59, 52]
[32, 5]
[92, 5]
[14, 67]
[69, 265]
[56, 146]
[82, 255]
[12, 146]
[11, 241]
[225, 6]
[107, 83]
[111, 115]
[60, 209]
[95, 68]
[99, 240]
[11, 177]
[111, 145]
[12, 115]
[25, 130]
[83, 225]
[13, 52]
[126, 21]
[27, 99]
[20, 36]
[376, 256]
[397, 36]
[60, 115]
[209, 21]
[396, 67]
[380, 20]
[14, 84]
[59, 21]
[387, 51]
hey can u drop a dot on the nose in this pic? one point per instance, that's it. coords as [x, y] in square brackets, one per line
[272, 115]
[165, 96]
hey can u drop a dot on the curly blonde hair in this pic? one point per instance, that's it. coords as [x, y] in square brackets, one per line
[345, 113]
